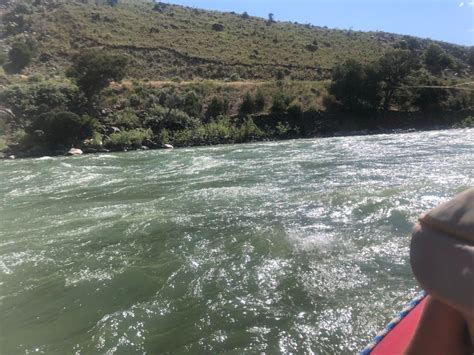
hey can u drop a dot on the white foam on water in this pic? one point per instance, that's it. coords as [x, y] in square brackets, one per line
[45, 158]
[87, 275]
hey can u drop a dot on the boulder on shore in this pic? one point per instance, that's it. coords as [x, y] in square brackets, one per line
[167, 146]
[6, 113]
[74, 152]
[150, 144]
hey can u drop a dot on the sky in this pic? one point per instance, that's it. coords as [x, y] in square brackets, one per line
[445, 20]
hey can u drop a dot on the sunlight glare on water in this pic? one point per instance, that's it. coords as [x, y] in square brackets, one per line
[297, 246]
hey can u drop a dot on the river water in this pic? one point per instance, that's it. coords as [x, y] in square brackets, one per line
[298, 246]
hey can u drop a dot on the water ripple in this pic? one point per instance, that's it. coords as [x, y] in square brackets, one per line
[298, 246]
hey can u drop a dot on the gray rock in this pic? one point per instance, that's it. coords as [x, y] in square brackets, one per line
[74, 151]
[219, 27]
[167, 146]
[39, 133]
[149, 143]
[143, 147]
[11, 157]
[6, 113]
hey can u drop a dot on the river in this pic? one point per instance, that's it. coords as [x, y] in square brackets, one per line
[298, 246]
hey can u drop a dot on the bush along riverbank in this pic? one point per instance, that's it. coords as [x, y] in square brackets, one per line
[222, 130]
[95, 110]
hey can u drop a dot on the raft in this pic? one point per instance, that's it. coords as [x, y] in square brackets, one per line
[396, 336]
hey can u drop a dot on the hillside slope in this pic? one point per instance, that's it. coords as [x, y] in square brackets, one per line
[160, 74]
[168, 41]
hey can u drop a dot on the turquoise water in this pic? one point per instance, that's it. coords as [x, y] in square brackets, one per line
[298, 246]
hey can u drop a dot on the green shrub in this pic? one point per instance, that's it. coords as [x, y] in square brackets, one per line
[468, 122]
[164, 136]
[63, 128]
[3, 144]
[28, 101]
[247, 106]
[427, 98]
[3, 58]
[281, 130]
[35, 78]
[217, 107]
[215, 132]
[192, 104]
[19, 56]
[329, 102]
[436, 59]
[95, 141]
[349, 81]
[235, 77]
[16, 20]
[295, 115]
[19, 135]
[128, 139]
[280, 103]
[134, 100]
[259, 101]
[125, 119]
[470, 58]
[279, 75]
[412, 43]
[159, 118]
[248, 131]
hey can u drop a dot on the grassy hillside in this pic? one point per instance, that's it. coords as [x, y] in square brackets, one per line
[167, 41]
[192, 77]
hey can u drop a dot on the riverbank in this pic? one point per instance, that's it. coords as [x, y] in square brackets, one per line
[323, 124]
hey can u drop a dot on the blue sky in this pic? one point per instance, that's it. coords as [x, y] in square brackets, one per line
[446, 20]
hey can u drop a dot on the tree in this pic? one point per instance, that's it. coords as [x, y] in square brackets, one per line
[245, 15]
[271, 19]
[95, 69]
[247, 106]
[355, 86]
[436, 59]
[428, 97]
[412, 43]
[20, 56]
[392, 69]
[112, 2]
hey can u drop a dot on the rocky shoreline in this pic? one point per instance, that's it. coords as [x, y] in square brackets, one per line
[73, 151]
